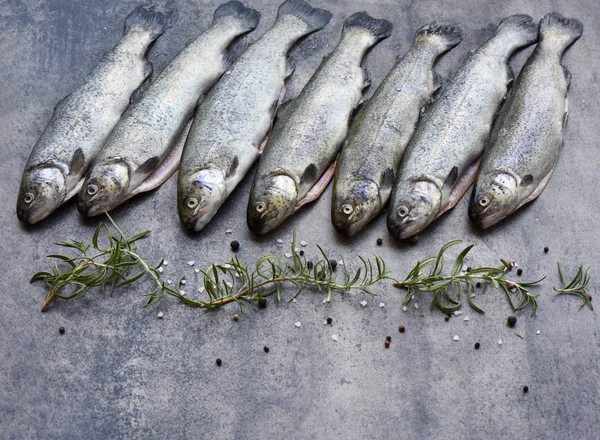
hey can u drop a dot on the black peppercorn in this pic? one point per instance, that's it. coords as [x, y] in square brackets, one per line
[478, 284]
[511, 320]
[61, 330]
[219, 362]
[546, 250]
[525, 389]
[309, 265]
[266, 348]
[519, 271]
[329, 321]
[447, 318]
[477, 345]
[388, 338]
[333, 263]
[235, 245]
[262, 303]
[379, 241]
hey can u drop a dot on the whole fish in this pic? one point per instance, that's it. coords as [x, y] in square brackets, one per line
[298, 161]
[141, 152]
[528, 136]
[232, 122]
[82, 121]
[442, 157]
[380, 131]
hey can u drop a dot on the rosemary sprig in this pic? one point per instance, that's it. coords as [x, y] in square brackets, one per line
[118, 264]
[577, 286]
[427, 276]
[235, 282]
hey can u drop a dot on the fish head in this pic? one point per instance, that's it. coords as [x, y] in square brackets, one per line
[493, 198]
[272, 199]
[105, 187]
[355, 206]
[199, 195]
[416, 205]
[43, 189]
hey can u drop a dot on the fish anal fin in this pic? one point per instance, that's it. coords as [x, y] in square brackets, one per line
[317, 189]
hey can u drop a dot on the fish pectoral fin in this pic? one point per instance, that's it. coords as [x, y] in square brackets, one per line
[317, 189]
[309, 175]
[77, 162]
[167, 167]
[75, 189]
[526, 180]
[233, 167]
[538, 190]
[460, 186]
[387, 180]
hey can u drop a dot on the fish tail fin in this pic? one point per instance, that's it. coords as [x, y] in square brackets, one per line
[379, 29]
[443, 36]
[246, 19]
[315, 18]
[521, 27]
[148, 19]
[567, 30]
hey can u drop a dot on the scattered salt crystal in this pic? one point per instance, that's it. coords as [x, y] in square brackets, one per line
[182, 281]
[325, 301]
[325, 322]
[169, 281]
[382, 305]
[294, 300]
[197, 270]
[334, 337]
[538, 332]
[303, 243]
[499, 341]
[298, 324]
[237, 275]
[182, 292]
[229, 283]
[466, 318]
[416, 305]
[288, 255]
[297, 250]
[280, 241]
[363, 303]
[228, 231]
[191, 263]
[160, 269]
[404, 309]
[159, 314]
[165, 263]
[456, 338]
[201, 289]
[458, 313]
[228, 266]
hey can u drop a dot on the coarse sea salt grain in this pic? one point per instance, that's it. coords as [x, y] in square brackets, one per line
[404, 309]
[159, 314]
[341, 262]
[334, 337]
[182, 281]
[363, 303]
[466, 318]
[160, 269]
[382, 305]
[325, 301]
[165, 263]
[201, 289]
[228, 231]
[288, 255]
[280, 241]
[458, 313]
[538, 332]
[197, 270]
[303, 243]
[298, 324]
[416, 305]
[191, 263]
[456, 338]
[294, 300]
[499, 341]
[169, 281]
[182, 292]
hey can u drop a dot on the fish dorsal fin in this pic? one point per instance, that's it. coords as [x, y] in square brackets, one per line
[233, 167]
[291, 66]
[511, 76]
[367, 81]
[437, 82]
[387, 180]
[139, 91]
[76, 162]
[309, 175]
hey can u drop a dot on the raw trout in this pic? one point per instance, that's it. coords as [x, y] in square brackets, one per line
[528, 136]
[233, 121]
[442, 157]
[82, 121]
[298, 161]
[141, 152]
[380, 131]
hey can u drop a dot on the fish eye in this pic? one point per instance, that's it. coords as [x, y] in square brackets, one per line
[347, 209]
[261, 206]
[28, 198]
[192, 203]
[91, 190]
[484, 201]
[403, 211]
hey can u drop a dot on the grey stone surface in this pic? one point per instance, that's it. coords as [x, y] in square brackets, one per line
[120, 372]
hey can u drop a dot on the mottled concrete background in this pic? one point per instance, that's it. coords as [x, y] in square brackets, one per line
[119, 371]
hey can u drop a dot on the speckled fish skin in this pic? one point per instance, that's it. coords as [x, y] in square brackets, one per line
[380, 131]
[440, 161]
[142, 144]
[309, 132]
[232, 122]
[83, 120]
[528, 136]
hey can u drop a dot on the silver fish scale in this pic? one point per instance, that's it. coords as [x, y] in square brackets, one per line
[237, 114]
[151, 125]
[85, 118]
[312, 128]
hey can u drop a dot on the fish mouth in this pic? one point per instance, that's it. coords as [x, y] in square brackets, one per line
[32, 216]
